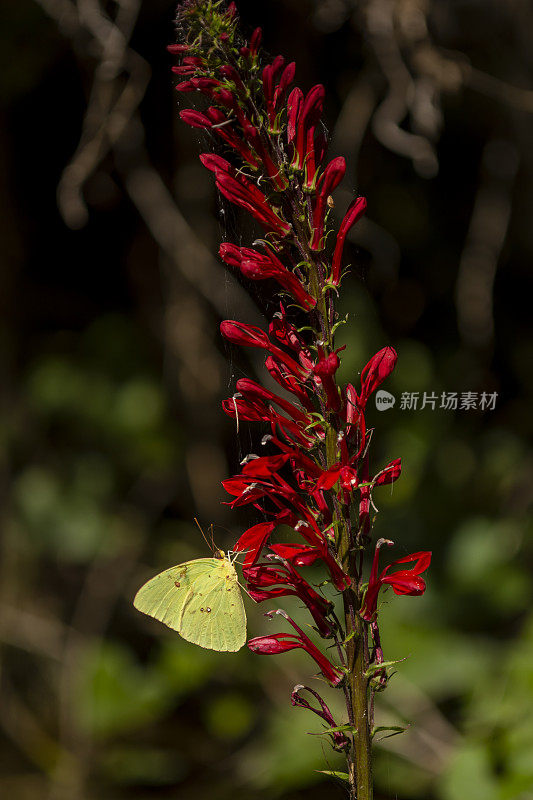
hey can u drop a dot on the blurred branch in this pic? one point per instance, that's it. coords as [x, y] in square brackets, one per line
[36, 634]
[23, 728]
[431, 740]
[120, 81]
[484, 242]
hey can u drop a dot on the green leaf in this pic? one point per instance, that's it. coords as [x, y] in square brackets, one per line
[396, 729]
[337, 729]
[373, 668]
[342, 776]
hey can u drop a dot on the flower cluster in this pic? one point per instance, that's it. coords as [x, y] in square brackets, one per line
[314, 477]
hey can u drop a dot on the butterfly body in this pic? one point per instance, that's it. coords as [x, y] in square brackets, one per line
[199, 599]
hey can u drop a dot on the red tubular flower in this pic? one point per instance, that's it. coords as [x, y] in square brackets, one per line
[195, 118]
[389, 474]
[282, 642]
[288, 381]
[242, 334]
[301, 555]
[256, 391]
[355, 421]
[255, 42]
[260, 266]
[340, 741]
[274, 93]
[309, 530]
[250, 336]
[378, 368]
[332, 176]
[264, 466]
[294, 104]
[245, 409]
[404, 581]
[325, 369]
[177, 49]
[253, 540]
[303, 116]
[217, 121]
[242, 193]
[355, 211]
[266, 582]
[274, 172]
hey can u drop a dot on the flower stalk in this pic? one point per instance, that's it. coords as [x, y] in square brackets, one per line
[268, 158]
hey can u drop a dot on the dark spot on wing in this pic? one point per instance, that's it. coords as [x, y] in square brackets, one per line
[177, 584]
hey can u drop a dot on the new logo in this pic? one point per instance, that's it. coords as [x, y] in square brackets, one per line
[384, 400]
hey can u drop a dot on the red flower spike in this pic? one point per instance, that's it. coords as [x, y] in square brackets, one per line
[378, 368]
[355, 211]
[340, 741]
[282, 642]
[332, 176]
[405, 581]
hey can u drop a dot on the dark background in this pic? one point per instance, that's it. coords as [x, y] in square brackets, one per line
[113, 371]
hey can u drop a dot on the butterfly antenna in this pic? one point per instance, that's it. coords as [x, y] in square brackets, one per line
[212, 534]
[204, 537]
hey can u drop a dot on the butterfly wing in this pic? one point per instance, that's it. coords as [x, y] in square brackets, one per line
[214, 616]
[164, 596]
[199, 599]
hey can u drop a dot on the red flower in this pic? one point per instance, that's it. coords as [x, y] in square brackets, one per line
[266, 582]
[389, 474]
[250, 336]
[378, 368]
[275, 91]
[288, 381]
[253, 540]
[260, 266]
[255, 391]
[282, 642]
[340, 741]
[332, 176]
[304, 114]
[325, 369]
[404, 581]
[242, 193]
[255, 42]
[355, 211]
